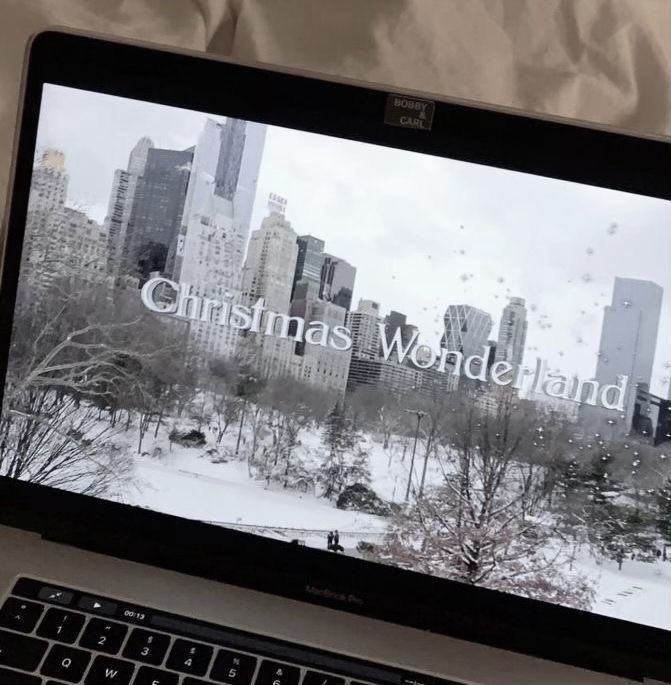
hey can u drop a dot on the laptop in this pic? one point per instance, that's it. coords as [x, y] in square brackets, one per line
[312, 382]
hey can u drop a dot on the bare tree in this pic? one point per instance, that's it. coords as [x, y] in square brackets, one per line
[472, 527]
[68, 360]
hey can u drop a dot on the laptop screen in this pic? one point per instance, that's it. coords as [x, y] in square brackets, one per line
[458, 370]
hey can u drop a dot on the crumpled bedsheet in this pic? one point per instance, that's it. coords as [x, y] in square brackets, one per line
[604, 61]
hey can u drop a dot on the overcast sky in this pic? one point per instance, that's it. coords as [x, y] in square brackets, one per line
[423, 232]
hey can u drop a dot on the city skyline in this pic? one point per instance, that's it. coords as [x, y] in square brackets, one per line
[564, 327]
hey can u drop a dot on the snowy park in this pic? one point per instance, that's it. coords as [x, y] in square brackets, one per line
[508, 496]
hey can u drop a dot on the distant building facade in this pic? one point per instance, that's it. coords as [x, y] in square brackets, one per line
[512, 333]
[628, 342]
[156, 214]
[268, 273]
[120, 205]
[467, 329]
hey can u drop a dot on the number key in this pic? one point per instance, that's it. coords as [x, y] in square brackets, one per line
[146, 646]
[233, 668]
[154, 676]
[274, 673]
[189, 657]
[61, 625]
[103, 636]
[315, 678]
[20, 615]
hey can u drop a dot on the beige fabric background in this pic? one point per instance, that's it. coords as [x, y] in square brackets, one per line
[601, 60]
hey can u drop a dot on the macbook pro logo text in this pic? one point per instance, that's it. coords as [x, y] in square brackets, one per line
[409, 112]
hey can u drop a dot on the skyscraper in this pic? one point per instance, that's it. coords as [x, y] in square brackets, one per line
[49, 183]
[512, 333]
[231, 146]
[62, 245]
[363, 324]
[208, 251]
[310, 258]
[337, 281]
[268, 273]
[121, 203]
[323, 367]
[156, 215]
[629, 337]
[466, 329]
[396, 321]
[48, 192]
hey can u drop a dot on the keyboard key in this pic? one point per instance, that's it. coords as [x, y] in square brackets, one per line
[19, 651]
[146, 646]
[99, 606]
[189, 657]
[154, 676]
[113, 671]
[66, 663]
[274, 673]
[233, 668]
[103, 636]
[18, 614]
[316, 678]
[8, 677]
[61, 625]
[52, 594]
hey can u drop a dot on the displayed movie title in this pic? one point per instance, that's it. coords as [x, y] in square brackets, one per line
[257, 318]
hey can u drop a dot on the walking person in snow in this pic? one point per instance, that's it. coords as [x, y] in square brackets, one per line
[337, 547]
[329, 540]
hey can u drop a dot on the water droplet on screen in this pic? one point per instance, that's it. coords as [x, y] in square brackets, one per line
[586, 278]
[610, 422]
[462, 251]
[464, 277]
[533, 307]
[626, 303]
[500, 279]
[461, 227]
[590, 250]
[667, 365]
[612, 229]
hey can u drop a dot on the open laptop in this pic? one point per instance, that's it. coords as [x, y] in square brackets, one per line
[310, 383]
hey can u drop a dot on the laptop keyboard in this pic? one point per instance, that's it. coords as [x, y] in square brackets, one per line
[54, 635]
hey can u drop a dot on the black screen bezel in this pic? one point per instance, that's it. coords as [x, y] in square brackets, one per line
[507, 140]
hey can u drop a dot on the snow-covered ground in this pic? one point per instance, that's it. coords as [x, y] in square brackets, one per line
[185, 482]
[640, 592]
